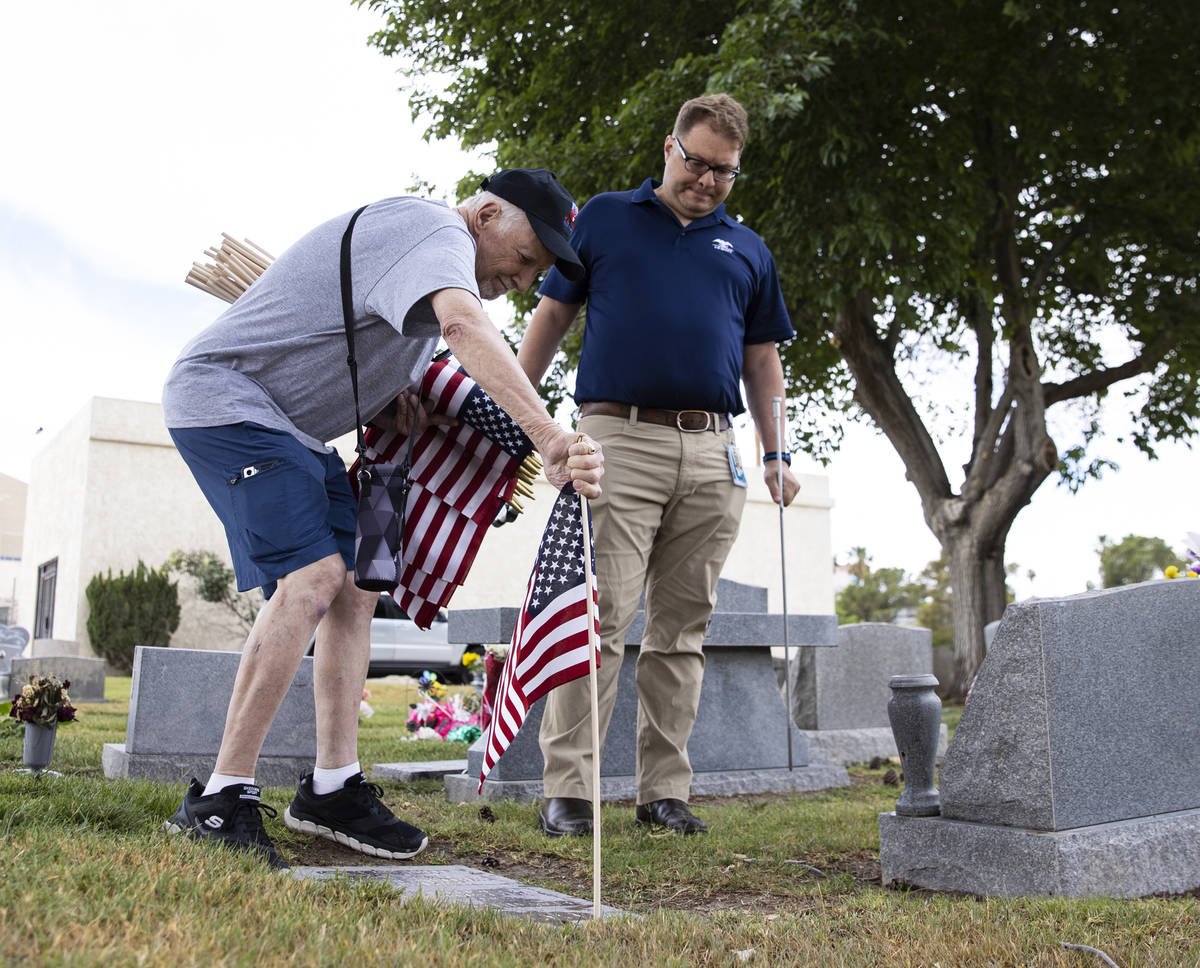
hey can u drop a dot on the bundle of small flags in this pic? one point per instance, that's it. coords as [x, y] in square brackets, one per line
[461, 477]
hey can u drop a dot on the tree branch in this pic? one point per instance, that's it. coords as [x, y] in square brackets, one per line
[1101, 379]
[1042, 269]
[879, 392]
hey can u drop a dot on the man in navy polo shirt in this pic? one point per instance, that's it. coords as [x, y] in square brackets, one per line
[683, 303]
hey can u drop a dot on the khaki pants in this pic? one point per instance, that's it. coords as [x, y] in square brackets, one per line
[665, 522]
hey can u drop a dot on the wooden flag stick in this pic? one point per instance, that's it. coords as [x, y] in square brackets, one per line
[234, 268]
[593, 645]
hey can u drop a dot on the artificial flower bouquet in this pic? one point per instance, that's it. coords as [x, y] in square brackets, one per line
[443, 716]
[1193, 566]
[43, 701]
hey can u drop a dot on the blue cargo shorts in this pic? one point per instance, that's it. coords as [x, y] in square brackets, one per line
[283, 505]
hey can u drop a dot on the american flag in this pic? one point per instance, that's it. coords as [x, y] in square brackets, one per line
[460, 477]
[550, 642]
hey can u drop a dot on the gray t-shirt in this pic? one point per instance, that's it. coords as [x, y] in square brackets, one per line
[277, 356]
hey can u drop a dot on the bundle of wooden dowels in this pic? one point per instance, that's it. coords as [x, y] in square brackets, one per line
[234, 266]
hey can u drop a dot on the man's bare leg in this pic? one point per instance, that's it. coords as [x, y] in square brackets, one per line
[353, 813]
[340, 671]
[271, 657]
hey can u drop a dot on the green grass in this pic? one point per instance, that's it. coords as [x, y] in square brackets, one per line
[90, 879]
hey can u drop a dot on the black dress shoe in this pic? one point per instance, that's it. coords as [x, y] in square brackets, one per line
[566, 816]
[671, 813]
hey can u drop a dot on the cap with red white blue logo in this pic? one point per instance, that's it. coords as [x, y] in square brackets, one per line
[548, 206]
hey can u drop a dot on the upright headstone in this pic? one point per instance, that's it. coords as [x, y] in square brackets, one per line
[85, 675]
[1075, 768]
[13, 640]
[739, 742]
[840, 696]
[177, 708]
[44, 648]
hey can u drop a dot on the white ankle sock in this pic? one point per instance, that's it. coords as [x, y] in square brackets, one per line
[330, 781]
[219, 781]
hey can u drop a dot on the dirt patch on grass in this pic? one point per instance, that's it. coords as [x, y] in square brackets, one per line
[570, 878]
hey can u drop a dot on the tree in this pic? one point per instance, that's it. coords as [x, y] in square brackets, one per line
[141, 608]
[215, 582]
[874, 595]
[936, 610]
[984, 214]
[1133, 559]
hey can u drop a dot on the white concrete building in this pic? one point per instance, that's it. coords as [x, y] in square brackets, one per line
[110, 488]
[12, 525]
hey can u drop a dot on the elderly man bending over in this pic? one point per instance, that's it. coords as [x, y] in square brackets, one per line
[250, 404]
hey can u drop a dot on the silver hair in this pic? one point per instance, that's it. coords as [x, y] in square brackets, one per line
[510, 215]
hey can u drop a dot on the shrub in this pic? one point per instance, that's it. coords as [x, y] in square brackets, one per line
[141, 608]
[216, 583]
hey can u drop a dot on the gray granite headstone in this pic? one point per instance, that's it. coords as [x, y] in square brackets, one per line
[13, 639]
[42, 648]
[85, 675]
[454, 884]
[741, 730]
[177, 709]
[734, 596]
[989, 633]
[1075, 768]
[847, 687]
[1084, 712]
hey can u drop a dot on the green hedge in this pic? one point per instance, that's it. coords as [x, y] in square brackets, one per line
[141, 608]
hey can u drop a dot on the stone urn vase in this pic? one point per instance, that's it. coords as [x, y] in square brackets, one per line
[915, 712]
[39, 746]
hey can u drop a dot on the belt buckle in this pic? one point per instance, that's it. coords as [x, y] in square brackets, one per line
[693, 430]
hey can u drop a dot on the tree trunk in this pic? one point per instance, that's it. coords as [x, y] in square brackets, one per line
[1012, 455]
[968, 603]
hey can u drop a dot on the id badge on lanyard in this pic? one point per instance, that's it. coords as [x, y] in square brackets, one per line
[735, 465]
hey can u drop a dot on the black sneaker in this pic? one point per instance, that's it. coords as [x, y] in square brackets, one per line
[232, 818]
[356, 817]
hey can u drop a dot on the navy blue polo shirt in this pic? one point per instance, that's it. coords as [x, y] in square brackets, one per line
[669, 307]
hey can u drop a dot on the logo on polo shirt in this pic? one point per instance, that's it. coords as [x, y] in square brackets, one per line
[722, 246]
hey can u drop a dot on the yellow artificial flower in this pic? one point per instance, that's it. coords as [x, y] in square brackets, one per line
[1171, 571]
[1192, 574]
[470, 658]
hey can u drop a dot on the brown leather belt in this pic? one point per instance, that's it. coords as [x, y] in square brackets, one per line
[689, 421]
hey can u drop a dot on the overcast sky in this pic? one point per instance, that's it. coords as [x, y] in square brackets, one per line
[136, 131]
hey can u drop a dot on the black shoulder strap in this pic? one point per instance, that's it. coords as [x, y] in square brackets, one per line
[348, 318]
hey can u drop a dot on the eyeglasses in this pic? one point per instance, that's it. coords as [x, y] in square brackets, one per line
[698, 167]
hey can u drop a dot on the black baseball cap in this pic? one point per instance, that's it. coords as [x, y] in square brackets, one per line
[549, 207]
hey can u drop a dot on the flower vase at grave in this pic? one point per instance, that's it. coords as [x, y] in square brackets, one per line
[39, 746]
[915, 712]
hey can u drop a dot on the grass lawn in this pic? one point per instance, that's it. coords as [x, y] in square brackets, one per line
[90, 879]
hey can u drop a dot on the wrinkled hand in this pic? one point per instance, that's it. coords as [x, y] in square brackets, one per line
[577, 458]
[790, 485]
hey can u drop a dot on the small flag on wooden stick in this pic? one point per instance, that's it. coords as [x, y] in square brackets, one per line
[550, 643]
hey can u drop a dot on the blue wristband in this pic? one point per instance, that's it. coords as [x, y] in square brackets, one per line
[773, 455]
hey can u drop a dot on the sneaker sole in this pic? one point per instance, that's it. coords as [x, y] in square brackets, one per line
[320, 830]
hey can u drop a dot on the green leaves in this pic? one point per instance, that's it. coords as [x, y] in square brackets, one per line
[141, 608]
